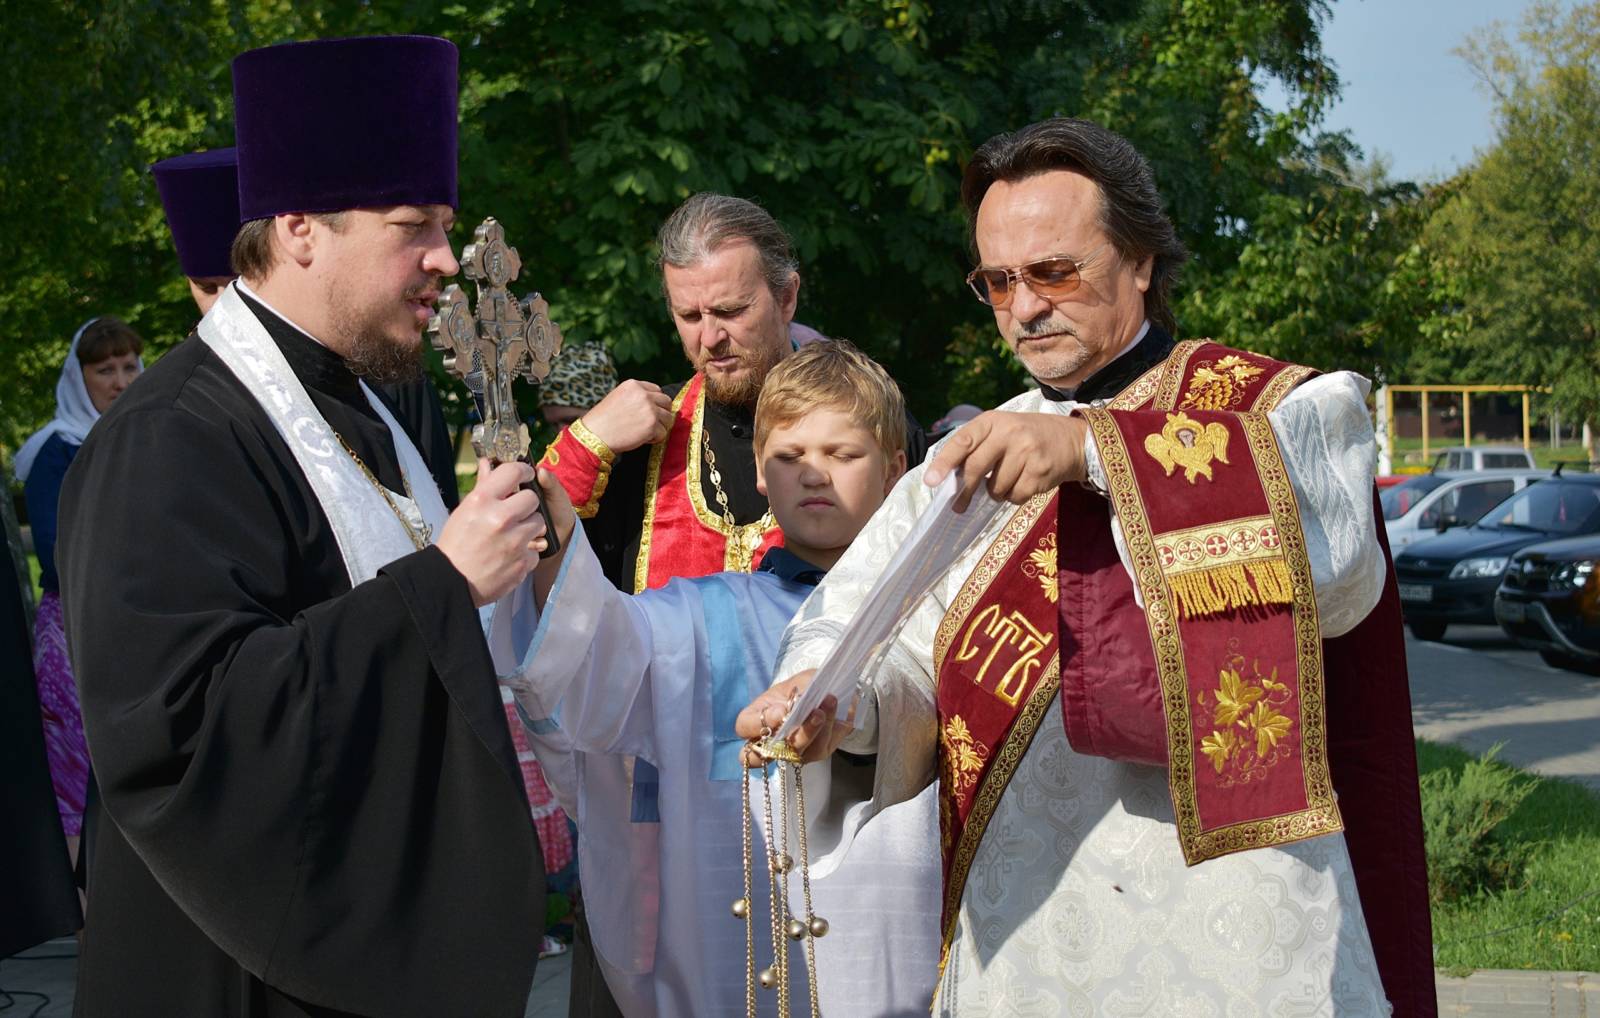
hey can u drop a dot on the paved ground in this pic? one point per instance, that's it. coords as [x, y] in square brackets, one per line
[1475, 689]
[1501, 994]
[1478, 688]
[49, 970]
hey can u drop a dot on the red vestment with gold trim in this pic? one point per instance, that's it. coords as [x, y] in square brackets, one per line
[681, 534]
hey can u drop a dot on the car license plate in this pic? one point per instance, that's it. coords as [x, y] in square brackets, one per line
[1510, 611]
[1416, 592]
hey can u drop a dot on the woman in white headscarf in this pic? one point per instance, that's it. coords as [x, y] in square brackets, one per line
[102, 362]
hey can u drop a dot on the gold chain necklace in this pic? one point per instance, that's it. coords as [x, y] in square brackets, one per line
[419, 536]
[747, 537]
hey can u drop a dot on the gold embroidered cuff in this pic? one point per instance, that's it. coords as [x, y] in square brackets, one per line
[589, 440]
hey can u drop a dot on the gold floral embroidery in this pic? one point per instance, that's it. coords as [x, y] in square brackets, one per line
[1234, 697]
[1219, 386]
[1041, 566]
[1185, 442]
[963, 757]
[1270, 726]
[1245, 709]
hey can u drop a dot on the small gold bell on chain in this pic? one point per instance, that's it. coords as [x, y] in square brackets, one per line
[796, 929]
[782, 864]
[819, 926]
[768, 978]
[741, 907]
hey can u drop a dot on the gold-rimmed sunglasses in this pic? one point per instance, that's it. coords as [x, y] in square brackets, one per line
[1055, 276]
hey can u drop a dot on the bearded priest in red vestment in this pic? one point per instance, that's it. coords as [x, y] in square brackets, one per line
[1164, 695]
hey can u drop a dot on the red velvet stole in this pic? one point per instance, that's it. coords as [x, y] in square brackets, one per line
[1213, 532]
[682, 536]
[996, 657]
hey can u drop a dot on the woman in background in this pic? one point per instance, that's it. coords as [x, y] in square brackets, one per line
[101, 363]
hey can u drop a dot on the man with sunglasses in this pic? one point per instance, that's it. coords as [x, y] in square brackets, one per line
[1164, 692]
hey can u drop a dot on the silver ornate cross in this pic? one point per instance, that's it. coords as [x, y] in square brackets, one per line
[489, 347]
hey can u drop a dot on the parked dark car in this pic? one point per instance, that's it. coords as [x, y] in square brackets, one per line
[1453, 577]
[1549, 600]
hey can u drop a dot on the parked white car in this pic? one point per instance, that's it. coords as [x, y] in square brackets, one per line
[1425, 504]
[1482, 457]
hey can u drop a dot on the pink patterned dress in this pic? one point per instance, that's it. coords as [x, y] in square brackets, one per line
[65, 747]
[549, 820]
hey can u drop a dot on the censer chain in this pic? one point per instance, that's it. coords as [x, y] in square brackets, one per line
[785, 925]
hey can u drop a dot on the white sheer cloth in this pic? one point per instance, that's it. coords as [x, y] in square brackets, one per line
[1078, 901]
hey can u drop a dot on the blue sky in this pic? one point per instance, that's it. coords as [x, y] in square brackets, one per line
[1405, 93]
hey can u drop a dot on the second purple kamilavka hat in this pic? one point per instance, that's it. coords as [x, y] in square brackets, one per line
[200, 193]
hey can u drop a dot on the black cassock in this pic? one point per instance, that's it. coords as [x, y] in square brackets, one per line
[314, 806]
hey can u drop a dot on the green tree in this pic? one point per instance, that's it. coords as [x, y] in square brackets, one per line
[583, 126]
[1522, 229]
[1334, 273]
[101, 90]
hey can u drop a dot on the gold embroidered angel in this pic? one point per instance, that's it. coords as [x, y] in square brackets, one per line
[1187, 443]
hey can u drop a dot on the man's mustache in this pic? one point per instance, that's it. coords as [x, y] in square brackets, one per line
[1045, 327]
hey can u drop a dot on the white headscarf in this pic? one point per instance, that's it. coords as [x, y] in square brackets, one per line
[75, 412]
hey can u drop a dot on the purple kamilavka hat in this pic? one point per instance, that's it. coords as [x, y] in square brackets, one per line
[346, 123]
[200, 192]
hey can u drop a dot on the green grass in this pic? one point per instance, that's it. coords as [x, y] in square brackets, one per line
[1561, 821]
[33, 574]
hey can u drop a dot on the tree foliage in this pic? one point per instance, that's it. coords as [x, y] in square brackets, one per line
[1522, 230]
[584, 125]
[1333, 272]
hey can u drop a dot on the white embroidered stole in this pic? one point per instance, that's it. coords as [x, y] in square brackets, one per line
[369, 534]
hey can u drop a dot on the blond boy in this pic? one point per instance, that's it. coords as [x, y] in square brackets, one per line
[660, 676]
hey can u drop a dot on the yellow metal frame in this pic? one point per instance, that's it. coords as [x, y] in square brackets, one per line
[1466, 392]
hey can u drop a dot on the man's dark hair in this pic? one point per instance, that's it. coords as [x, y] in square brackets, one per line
[251, 254]
[1131, 212]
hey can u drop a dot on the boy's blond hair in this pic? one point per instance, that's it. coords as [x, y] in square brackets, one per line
[833, 374]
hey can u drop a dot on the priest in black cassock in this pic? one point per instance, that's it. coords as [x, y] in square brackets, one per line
[311, 802]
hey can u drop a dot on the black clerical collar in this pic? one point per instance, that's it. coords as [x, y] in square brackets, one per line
[787, 566]
[314, 364]
[1120, 373]
[741, 420]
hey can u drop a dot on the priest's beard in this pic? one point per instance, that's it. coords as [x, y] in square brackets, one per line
[372, 353]
[743, 389]
[378, 358]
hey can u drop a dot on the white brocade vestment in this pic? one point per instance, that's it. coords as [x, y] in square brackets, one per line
[1078, 902]
[659, 676]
